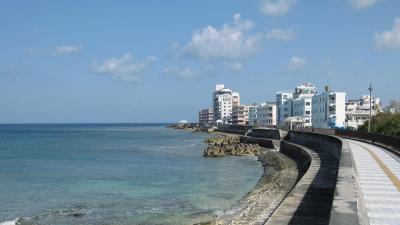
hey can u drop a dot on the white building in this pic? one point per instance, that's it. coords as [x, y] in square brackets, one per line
[253, 115]
[302, 107]
[297, 104]
[302, 102]
[263, 114]
[223, 101]
[304, 90]
[284, 107]
[358, 111]
[328, 109]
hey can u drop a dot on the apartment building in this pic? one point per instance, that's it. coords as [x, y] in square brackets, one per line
[223, 102]
[206, 116]
[328, 109]
[358, 111]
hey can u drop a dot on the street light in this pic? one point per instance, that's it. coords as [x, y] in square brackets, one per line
[370, 107]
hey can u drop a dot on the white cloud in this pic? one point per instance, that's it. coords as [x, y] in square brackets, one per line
[281, 34]
[185, 73]
[235, 67]
[232, 41]
[66, 49]
[362, 4]
[123, 68]
[276, 7]
[296, 63]
[389, 39]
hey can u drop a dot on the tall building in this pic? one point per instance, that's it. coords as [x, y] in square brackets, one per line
[302, 102]
[302, 107]
[206, 116]
[298, 103]
[223, 101]
[358, 111]
[328, 109]
[284, 106]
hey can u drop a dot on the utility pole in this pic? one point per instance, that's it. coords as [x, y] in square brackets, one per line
[370, 107]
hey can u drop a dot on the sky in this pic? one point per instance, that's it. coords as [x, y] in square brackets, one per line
[158, 61]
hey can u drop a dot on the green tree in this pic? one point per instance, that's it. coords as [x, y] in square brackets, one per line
[383, 123]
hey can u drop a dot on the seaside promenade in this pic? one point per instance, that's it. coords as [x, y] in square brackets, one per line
[346, 180]
[377, 172]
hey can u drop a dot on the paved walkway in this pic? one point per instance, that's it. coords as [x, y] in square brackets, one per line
[379, 180]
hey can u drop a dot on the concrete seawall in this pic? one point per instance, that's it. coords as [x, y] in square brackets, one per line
[325, 188]
[325, 194]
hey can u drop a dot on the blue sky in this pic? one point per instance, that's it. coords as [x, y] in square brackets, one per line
[157, 61]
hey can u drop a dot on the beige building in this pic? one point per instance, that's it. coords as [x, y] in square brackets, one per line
[240, 114]
[266, 114]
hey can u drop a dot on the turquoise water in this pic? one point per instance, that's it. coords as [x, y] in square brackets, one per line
[115, 174]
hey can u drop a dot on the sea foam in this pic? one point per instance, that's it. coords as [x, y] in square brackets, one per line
[11, 222]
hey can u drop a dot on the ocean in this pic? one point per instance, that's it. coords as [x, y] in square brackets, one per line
[115, 174]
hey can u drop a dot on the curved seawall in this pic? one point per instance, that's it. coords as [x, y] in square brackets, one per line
[324, 190]
[325, 193]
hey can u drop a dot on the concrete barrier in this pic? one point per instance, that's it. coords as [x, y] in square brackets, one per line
[326, 189]
[299, 155]
[269, 133]
[324, 193]
[233, 129]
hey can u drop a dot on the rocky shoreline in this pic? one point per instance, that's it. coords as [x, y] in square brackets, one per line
[229, 145]
[280, 174]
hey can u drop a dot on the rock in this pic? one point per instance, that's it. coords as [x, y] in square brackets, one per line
[229, 145]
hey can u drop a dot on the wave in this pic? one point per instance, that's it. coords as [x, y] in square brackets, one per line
[11, 222]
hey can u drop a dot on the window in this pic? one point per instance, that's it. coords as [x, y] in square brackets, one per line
[307, 112]
[308, 103]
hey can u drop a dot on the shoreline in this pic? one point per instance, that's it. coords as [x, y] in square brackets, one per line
[257, 205]
[279, 176]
